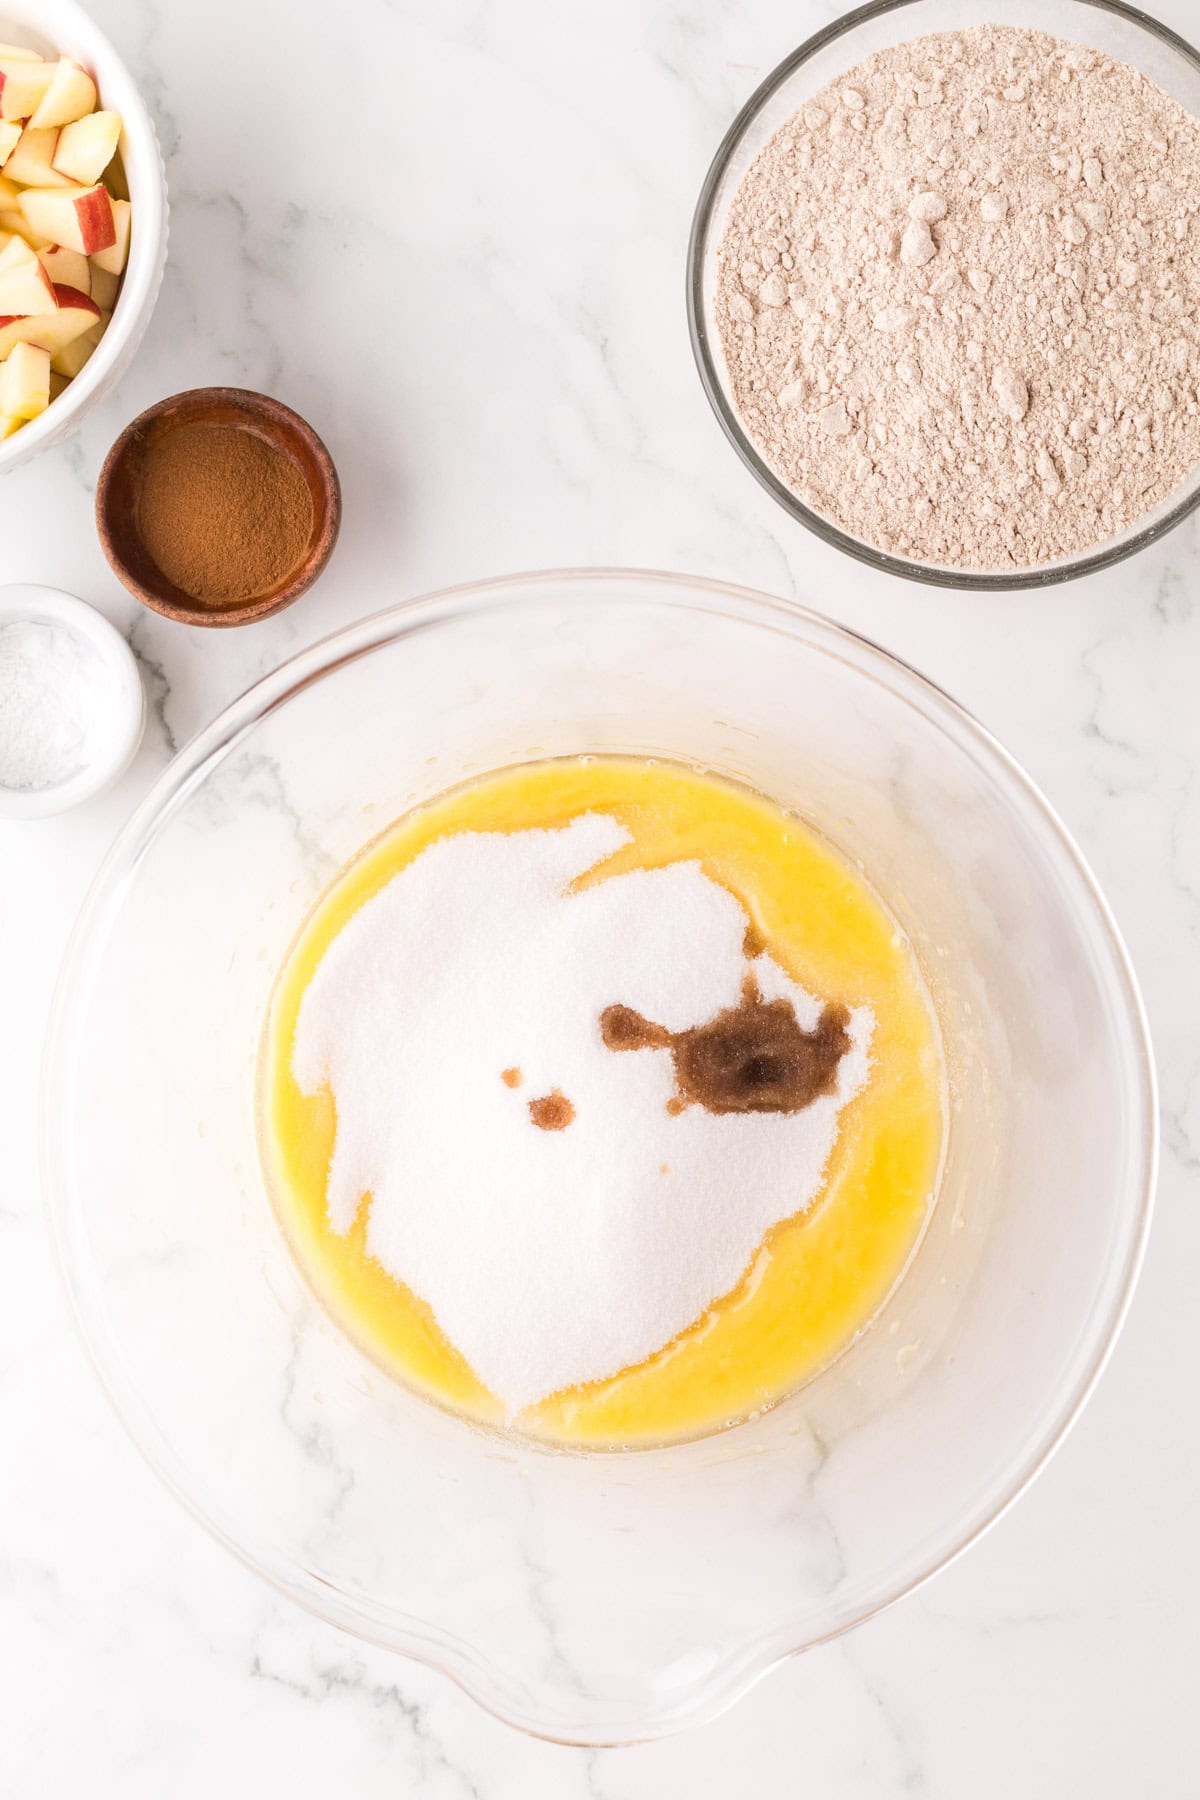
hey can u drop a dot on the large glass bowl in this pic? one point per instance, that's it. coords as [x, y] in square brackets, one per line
[594, 1597]
[1119, 31]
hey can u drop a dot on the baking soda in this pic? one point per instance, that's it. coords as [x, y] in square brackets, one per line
[546, 1196]
[56, 700]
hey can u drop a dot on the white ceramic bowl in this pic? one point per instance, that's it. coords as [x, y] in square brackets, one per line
[120, 740]
[61, 27]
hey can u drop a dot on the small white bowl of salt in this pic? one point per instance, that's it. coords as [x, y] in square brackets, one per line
[72, 706]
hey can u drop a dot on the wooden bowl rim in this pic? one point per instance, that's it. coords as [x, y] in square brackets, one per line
[286, 423]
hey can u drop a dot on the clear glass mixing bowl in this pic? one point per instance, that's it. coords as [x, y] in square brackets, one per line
[1119, 31]
[604, 1597]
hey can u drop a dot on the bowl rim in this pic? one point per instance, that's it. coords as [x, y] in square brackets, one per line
[422, 1639]
[56, 20]
[709, 358]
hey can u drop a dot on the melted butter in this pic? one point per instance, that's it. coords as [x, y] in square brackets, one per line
[818, 1277]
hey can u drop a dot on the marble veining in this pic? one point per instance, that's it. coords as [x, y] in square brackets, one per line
[453, 236]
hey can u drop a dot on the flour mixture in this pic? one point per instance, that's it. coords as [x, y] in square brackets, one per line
[959, 295]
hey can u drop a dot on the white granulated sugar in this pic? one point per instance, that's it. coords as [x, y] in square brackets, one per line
[550, 1257]
[56, 703]
[990, 351]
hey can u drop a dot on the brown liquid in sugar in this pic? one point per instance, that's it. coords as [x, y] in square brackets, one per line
[752, 1057]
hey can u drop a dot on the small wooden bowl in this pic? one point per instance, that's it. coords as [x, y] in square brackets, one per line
[119, 488]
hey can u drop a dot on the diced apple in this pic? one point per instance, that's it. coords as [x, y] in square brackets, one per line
[113, 257]
[76, 314]
[17, 251]
[115, 179]
[15, 331]
[103, 285]
[10, 137]
[78, 218]
[70, 95]
[82, 310]
[87, 146]
[17, 222]
[26, 291]
[10, 193]
[32, 162]
[57, 383]
[8, 426]
[25, 287]
[25, 382]
[70, 359]
[19, 53]
[70, 267]
[23, 85]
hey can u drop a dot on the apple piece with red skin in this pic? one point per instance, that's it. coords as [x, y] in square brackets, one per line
[103, 285]
[23, 85]
[76, 313]
[70, 95]
[78, 218]
[69, 268]
[10, 137]
[25, 287]
[25, 382]
[113, 258]
[87, 146]
[32, 162]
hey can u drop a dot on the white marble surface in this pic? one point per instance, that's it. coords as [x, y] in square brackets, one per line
[453, 236]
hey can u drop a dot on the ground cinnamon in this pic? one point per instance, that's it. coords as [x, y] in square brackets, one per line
[223, 513]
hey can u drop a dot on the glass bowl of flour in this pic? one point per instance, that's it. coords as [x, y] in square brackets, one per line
[944, 277]
[597, 1596]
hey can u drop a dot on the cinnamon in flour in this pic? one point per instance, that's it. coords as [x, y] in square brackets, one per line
[959, 299]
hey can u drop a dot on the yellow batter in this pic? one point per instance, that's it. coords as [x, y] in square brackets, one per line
[818, 1278]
